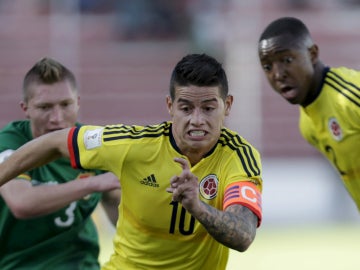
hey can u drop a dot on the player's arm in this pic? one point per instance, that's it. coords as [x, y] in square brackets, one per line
[35, 153]
[234, 226]
[28, 201]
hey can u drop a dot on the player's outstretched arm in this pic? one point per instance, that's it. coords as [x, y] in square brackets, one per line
[35, 153]
[44, 199]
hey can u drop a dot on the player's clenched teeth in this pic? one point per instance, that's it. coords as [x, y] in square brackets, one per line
[197, 133]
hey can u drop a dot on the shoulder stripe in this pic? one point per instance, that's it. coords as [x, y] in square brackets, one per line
[345, 88]
[117, 132]
[243, 150]
[74, 148]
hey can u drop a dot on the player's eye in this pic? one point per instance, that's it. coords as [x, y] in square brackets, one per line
[288, 60]
[44, 107]
[65, 104]
[185, 108]
[209, 109]
[267, 67]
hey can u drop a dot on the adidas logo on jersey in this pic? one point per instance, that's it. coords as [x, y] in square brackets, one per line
[150, 181]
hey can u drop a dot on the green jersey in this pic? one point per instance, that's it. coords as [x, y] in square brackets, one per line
[66, 239]
[331, 123]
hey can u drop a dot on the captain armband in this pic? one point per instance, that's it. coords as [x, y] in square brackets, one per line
[246, 194]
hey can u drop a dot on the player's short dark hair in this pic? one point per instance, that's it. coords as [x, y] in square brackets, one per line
[286, 26]
[199, 70]
[47, 71]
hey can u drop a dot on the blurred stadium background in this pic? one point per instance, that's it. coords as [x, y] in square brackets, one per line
[122, 53]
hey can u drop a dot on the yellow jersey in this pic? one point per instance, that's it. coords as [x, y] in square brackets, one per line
[153, 232]
[331, 123]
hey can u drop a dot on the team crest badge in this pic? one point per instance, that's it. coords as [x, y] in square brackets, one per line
[209, 187]
[335, 129]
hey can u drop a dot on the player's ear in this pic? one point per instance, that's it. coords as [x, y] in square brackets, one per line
[314, 53]
[169, 104]
[228, 103]
[24, 107]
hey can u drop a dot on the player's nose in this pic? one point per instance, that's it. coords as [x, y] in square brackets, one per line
[278, 71]
[56, 115]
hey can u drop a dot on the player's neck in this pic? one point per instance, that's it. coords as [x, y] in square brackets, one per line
[315, 88]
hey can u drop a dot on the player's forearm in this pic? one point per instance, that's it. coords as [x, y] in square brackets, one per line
[44, 199]
[41, 200]
[33, 154]
[234, 228]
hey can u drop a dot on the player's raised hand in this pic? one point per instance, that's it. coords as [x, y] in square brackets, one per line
[185, 187]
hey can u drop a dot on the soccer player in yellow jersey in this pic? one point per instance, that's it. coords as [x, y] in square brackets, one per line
[191, 188]
[329, 98]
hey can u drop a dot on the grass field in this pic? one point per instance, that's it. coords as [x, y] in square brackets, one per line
[332, 247]
[320, 247]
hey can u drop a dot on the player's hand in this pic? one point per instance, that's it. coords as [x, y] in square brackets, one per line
[185, 187]
[105, 182]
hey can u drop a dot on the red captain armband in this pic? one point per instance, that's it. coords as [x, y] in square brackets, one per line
[246, 194]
